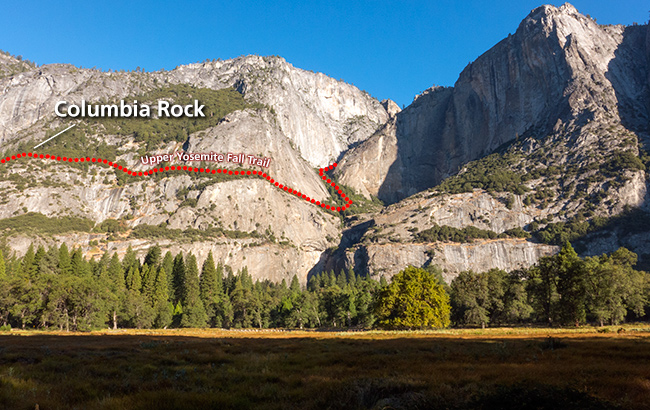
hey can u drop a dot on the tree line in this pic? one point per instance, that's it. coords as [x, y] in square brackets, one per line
[562, 289]
[59, 289]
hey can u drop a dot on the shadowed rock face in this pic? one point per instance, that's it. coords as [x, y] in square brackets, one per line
[559, 65]
[388, 259]
[647, 50]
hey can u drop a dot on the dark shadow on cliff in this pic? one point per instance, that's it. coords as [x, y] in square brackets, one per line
[629, 74]
[335, 259]
[420, 164]
[595, 237]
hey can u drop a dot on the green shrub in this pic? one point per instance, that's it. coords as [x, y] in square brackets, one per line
[34, 222]
[191, 202]
[620, 162]
[630, 222]
[110, 226]
[491, 173]
[450, 234]
[517, 233]
[145, 231]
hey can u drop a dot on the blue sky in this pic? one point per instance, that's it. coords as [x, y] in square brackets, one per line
[392, 49]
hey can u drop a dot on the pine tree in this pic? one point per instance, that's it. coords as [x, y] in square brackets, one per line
[341, 280]
[229, 281]
[115, 272]
[148, 275]
[103, 264]
[226, 313]
[178, 278]
[160, 300]
[65, 268]
[168, 265]
[240, 303]
[153, 257]
[246, 278]
[48, 265]
[130, 260]
[220, 284]
[331, 279]
[351, 277]
[38, 257]
[178, 314]
[133, 279]
[258, 307]
[210, 287]
[78, 264]
[309, 309]
[117, 289]
[193, 310]
[5, 293]
[314, 283]
[29, 262]
[3, 270]
[25, 293]
[367, 291]
[295, 285]
[138, 311]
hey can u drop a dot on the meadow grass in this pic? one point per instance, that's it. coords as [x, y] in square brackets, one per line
[209, 368]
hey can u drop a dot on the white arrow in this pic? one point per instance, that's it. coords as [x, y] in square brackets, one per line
[54, 136]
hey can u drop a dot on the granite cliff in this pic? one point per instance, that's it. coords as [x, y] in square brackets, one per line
[544, 131]
[560, 69]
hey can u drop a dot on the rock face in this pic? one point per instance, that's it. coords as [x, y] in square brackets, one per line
[321, 124]
[562, 93]
[647, 50]
[366, 168]
[320, 115]
[291, 233]
[294, 126]
[564, 102]
[388, 259]
[559, 65]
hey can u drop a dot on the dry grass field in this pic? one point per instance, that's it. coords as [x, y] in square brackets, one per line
[452, 369]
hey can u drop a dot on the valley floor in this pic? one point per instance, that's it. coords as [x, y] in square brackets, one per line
[593, 368]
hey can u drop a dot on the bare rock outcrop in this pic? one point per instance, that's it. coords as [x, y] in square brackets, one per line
[320, 115]
[321, 124]
[481, 255]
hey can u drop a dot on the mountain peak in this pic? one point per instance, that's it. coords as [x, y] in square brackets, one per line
[549, 10]
[551, 19]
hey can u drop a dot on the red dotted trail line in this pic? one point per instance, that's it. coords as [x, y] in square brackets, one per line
[321, 171]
